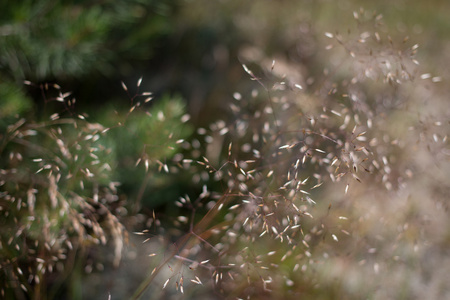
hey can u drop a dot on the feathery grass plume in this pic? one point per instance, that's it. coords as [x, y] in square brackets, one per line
[57, 201]
[266, 222]
[60, 203]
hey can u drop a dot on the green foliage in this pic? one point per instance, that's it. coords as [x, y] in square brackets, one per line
[13, 102]
[154, 133]
[63, 39]
[148, 139]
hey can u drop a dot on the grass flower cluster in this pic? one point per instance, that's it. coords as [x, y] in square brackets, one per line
[307, 186]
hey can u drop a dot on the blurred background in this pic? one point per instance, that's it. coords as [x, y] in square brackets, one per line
[393, 241]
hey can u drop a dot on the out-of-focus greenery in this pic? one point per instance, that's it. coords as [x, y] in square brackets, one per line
[111, 164]
[14, 101]
[151, 138]
[62, 39]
